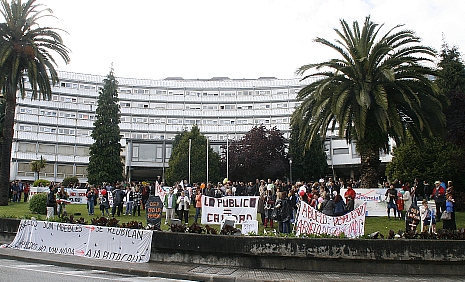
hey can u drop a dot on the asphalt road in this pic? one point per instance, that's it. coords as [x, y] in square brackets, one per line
[19, 271]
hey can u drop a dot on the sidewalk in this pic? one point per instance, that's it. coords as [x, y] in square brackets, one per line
[202, 272]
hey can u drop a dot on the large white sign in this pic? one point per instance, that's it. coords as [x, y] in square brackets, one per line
[243, 208]
[374, 199]
[75, 196]
[311, 221]
[108, 243]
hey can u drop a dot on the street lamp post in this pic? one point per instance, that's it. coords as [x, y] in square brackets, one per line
[290, 169]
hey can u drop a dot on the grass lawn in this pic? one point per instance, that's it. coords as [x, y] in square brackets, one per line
[372, 224]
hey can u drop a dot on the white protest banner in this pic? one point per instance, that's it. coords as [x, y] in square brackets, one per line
[75, 196]
[374, 199]
[108, 243]
[311, 221]
[243, 208]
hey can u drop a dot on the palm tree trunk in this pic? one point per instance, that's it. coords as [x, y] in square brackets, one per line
[5, 157]
[369, 171]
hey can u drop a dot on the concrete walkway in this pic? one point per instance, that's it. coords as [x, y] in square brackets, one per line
[202, 272]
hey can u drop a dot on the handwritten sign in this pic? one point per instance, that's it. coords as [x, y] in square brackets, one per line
[243, 208]
[154, 209]
[311, 221]
[99, 242]
[250, 227]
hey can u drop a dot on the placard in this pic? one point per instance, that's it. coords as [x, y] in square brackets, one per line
[154, 209]
[243, 208]
[250, 227]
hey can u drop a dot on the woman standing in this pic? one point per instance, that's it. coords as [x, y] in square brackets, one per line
[450, 223]
[269, 207]
[183, 207]
[198, 203]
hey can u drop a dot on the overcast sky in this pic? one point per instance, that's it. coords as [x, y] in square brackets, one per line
[237, 39]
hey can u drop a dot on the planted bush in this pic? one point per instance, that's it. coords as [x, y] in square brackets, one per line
[38, 203]
[44, 182]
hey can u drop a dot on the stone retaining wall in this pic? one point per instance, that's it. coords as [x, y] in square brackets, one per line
[428, 257]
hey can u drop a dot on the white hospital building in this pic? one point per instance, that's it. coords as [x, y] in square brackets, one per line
[152, 113]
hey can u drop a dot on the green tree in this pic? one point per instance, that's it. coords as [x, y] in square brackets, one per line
[260, 153]
[37, 166]
[435, 159]
[26, 51]
[307, 163]
[179, 162]
[451, 82]
[379, 88]
[105, 164]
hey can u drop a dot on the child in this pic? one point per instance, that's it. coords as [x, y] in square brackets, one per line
[428, 217]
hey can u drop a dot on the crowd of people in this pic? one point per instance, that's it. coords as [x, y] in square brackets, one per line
[401, 196]
[278, 200]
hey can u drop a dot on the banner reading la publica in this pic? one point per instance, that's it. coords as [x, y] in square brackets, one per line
[243, 208]
[99, 242]
[311, 221]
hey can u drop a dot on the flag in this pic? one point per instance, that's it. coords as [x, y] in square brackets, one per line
[159, 191]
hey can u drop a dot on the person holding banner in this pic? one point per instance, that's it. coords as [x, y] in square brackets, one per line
[349, 195]
[183, 207]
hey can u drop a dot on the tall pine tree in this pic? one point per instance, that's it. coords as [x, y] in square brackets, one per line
[105, 163]
[451, 82]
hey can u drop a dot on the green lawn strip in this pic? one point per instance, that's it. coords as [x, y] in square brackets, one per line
[372, 224]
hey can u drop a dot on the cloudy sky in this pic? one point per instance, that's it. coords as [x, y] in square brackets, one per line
[233, 38]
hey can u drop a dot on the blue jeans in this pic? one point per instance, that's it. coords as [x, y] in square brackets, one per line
[128, 208]
[197, 213]
[90, 205]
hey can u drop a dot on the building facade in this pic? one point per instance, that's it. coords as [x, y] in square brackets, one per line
[152, 113]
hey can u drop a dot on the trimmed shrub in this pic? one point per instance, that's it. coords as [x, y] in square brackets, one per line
[43, 181]
[38, 203]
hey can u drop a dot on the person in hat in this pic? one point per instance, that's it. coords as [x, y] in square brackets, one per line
[439, 196]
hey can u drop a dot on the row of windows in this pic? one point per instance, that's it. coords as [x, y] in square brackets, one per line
[172, 106]
[62, 170]
[198, 93]
[279, 120]
[54, 130]
[62, 114]
[52, 149]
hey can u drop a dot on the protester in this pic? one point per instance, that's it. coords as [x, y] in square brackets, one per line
[91, 197]
[450, 223]
[283, 212]
[62, 195]
[137, 201]
[118, 196]
[170, 205]
[198, 204]
[183, 207]
[51, 202]
[104, 203]
[129, 200]
[339, 206]
[269, 206]
[391, 198]
[349, 195]
[439, 196]
[427, 217]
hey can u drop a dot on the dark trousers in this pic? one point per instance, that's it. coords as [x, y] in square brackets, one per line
[136, 208]
[440, 207]
[118, 208]
[183, 214]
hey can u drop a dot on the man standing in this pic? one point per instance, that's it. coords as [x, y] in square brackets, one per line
[118, 196]
[51, 202]
[439, 196]
[170, 205]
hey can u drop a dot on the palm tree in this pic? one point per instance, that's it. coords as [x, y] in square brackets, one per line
[37, 166]
[378, 89]
[25, 57]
